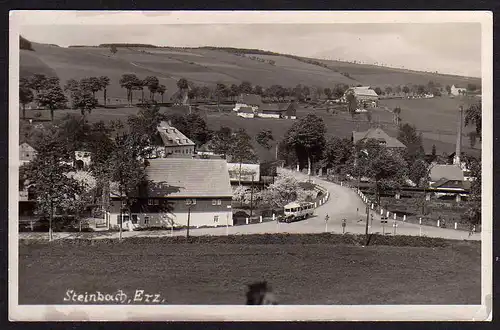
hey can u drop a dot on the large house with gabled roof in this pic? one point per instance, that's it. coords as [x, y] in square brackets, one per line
[378, 134]
[253, 101]
[178, 188]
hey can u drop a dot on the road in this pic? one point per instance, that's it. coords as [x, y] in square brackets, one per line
[343, 203]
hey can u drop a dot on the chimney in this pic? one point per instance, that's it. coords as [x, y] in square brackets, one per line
[458, 149]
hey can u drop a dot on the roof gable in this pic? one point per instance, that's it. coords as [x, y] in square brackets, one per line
[187, 177]
[377, 134]
[171, 136]
[448, 172]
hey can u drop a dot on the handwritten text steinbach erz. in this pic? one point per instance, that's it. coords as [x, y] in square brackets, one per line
[118, 297]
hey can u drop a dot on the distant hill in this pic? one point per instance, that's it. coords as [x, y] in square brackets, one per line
[210, 65]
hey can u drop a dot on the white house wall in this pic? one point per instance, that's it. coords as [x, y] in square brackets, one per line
[197, 219]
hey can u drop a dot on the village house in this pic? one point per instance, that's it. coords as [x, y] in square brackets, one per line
[449, 178]
[253, 101]
[178, 188]
[26, 153]
[365, 96]
[378, 134]
[246, 112]
[456, 90]
[278, 110]
[171, 141]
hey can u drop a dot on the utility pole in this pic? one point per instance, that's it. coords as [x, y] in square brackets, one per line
[367, 219]
[251, 198]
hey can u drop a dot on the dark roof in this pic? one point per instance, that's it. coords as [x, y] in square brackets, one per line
[171, 136]
[377, 134]
[245, 110]
[250, 99]
[274, 107]
[187, 177]
[448, 172]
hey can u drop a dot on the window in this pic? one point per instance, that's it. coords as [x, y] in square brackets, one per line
[156, 202]
[150, 202]
[214, 202]
[126, 218]
[216, 218]
[219, 202]
[146, 221]
[134, 218]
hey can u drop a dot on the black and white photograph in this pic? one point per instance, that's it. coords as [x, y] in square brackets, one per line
[186, 165]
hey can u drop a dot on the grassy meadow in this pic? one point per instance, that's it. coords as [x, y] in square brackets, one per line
[300, 270]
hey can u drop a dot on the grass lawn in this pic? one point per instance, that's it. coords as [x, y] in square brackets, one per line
[217, 273]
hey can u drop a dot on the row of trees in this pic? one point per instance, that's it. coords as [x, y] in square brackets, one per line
[131, 82]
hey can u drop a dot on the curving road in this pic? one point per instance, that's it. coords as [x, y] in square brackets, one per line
[343, 203]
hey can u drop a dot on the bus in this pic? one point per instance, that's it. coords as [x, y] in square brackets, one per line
[299, 210]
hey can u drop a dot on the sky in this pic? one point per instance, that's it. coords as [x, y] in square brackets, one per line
[453, 48]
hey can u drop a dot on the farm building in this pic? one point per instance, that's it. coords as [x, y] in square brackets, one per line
[379, 135]
[26, 153]
[171, 141]
[365, 96]
[278, 110]
[178, 188]
[449, 178]
[82, 159]
[246, 112]
[253, 101]
[456, 90]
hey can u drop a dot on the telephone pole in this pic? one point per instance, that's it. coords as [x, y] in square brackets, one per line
[251, 198]
[367, 219]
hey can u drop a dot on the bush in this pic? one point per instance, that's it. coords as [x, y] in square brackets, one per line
[328, 239]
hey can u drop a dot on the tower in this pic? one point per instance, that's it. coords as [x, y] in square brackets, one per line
[458, 148]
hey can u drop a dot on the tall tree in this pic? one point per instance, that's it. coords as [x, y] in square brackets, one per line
[47, 176]
[234, 91]
[113, 49]
[241, 149]
[84, 100]
[245, 87]
[143, 128]
[473, 117]
[388, 90]
[104, 83]
[152, 84]
[161, 90]
[183, 86]
[25, 94]
[38, 82]
[93, 84]
[52, 98]
[307, 137]
[258, 90]
[418, 172]
[378, 90]
[396, 115]
[352, 103]
[71, 85]
[413, 141]
[263, 138]
[473, 212]
[129, 81]
[222, 141]
[406, 90]
[448, 89]
[337, 154]
[221, 91]
[126, 170]
[328, 92]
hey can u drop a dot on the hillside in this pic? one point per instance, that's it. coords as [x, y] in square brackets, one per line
[435, 118]
[207, 66]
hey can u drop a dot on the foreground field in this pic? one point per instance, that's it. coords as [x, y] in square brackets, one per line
[305, 271]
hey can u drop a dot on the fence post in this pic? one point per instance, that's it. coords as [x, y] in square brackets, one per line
[455, 225]
[315, 205]
[387, 214]
[274, 217]
[394, 216]
[247, 221]
[404, 217]
[381, 212]
[438, 223]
